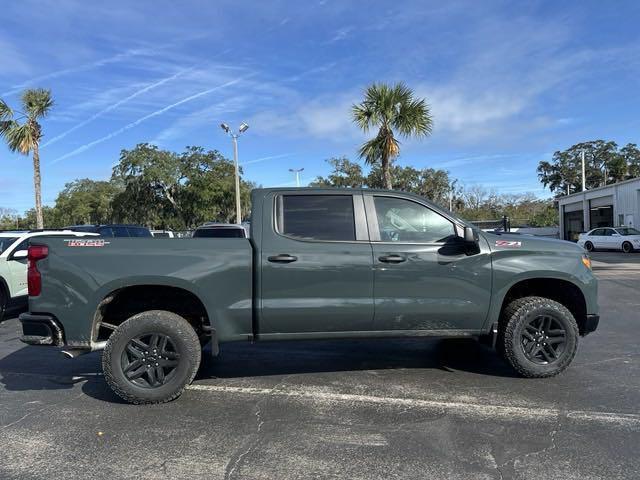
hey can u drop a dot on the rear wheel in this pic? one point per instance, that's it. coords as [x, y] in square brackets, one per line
[540, 337]
[588, 246]
[627, 247]
[151, 357]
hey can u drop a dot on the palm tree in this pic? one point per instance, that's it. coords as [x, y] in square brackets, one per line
[25, 137]
[388, 108]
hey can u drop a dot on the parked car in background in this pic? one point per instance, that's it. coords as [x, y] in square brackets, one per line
[13, 267]
[162, 234]
[113, 230]
[222, 230]
[626, 239]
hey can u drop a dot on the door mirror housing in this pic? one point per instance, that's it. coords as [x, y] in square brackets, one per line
[19, 254]
[470, 235]
[615, 234]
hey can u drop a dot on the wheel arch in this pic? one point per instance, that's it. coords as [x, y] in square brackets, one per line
[123, 302]
[561, 290]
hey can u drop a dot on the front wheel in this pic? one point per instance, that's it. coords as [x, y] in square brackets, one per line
[627, 247]
[540, 337]
[151, 357]
[588, 246]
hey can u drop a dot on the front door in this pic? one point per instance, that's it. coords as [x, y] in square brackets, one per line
[424, 278]
[316, 264]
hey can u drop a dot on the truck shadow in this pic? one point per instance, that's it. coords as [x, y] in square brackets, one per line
[299, 357]
[37, 368]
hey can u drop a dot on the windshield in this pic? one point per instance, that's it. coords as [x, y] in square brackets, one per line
[628, 231]
[5, 242]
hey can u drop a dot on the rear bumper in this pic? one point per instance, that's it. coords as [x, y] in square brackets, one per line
[41, 330]
[590, 324]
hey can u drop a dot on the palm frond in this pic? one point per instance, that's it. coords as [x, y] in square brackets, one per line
[6, 125]
[5, 111]
[21, 138]
[37, 102]
[383, 145]
[413, 119]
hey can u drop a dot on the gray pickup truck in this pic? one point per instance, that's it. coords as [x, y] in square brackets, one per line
[319, 264]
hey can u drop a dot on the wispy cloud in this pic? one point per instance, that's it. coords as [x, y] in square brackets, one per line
[159, 112]
[79, 68]
[116, 105]
[264, 159]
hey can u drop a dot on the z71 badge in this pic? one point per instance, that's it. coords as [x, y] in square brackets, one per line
[508, 243]
[76, 242]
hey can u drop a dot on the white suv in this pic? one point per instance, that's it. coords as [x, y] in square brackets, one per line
[13, 267]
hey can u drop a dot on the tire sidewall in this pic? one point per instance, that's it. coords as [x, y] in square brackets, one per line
[588, 246]
[629, 249]
[513, 342]
[183, 337]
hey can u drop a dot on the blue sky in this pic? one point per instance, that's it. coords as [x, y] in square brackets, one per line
[508, 82]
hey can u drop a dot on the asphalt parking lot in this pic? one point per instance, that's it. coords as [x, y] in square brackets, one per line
[425, 408]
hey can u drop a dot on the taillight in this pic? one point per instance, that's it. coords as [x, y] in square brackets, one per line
[34, 279]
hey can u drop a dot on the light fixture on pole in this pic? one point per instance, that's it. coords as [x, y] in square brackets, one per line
[234, 137]
[297, 172]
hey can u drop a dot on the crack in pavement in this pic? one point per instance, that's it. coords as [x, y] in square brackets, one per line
[236, 460]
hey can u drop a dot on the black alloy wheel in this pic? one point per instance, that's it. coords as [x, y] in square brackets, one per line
[543, 340]
[149, 361]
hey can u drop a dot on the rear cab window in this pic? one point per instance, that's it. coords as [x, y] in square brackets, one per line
[316, 217]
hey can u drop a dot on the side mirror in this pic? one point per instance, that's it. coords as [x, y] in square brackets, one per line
[470, 235]
[19, 254]
[615, 234]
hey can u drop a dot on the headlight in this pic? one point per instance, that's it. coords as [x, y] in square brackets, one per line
[586, 261]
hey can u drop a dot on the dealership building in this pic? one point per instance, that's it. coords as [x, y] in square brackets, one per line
[609, 206]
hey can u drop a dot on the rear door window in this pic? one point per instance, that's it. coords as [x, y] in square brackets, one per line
[317, 217]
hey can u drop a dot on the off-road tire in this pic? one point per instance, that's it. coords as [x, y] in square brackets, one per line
[517, 315]
[588, 246]
[161, 322]
[627, 247]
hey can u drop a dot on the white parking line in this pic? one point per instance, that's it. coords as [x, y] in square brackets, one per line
[463, 409]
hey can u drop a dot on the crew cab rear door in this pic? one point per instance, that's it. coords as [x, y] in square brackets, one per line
[316, 264]
[424, 278]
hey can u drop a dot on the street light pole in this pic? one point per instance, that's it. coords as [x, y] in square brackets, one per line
[297, 172]
[235, 161]
[234, 137]
[584, 180]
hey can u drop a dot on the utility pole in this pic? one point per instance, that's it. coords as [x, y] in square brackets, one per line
[297, 172]
[584, 179]
[234, 137]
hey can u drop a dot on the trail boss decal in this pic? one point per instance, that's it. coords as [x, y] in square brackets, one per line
[508, 243]
[86, 243]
